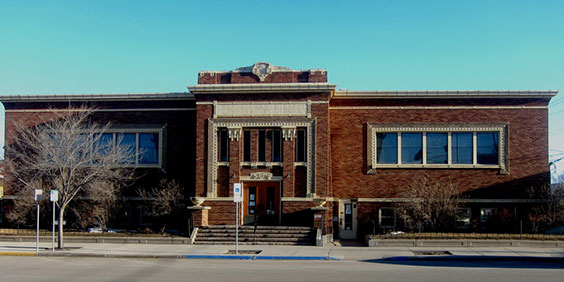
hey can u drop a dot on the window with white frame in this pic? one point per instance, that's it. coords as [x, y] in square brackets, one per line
[439, 146]
[386, 218]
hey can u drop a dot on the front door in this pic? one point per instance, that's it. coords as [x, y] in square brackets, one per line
[261, 203]
[347, 219]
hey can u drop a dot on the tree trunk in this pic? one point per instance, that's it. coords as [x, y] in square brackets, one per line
[60, 235]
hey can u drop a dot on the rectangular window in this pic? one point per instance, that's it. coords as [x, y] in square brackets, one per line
[386, 218]
[148, 148]
[247, 146]
[440, 146]
[437, 148]
[301, 146]
[486, 214]
[262, 146]
[128, 141]
[387, 150]
[223, 146]
[462, 147]
[463, 218]
[487, 148]
[412, 148]
[276, 145]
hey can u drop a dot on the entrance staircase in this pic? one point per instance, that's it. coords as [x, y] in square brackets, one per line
[262, 235]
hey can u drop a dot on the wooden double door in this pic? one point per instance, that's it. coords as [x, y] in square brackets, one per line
[261, 203]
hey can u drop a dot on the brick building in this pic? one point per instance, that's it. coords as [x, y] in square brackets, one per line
[294, 141]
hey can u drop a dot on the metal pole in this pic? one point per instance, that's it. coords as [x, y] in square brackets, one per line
[37, 231]
[237, 228]
[53, 232]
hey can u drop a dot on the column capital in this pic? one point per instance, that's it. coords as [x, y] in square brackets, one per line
[234, 133]
[288, 132]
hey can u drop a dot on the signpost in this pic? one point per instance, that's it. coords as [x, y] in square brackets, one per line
[237, 198]
[54, 197]
[38, 195]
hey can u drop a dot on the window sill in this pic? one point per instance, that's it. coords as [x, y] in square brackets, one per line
[300, 164]
[372, 170]
[261, 164]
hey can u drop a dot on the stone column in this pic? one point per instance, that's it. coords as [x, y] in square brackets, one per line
[234, 157]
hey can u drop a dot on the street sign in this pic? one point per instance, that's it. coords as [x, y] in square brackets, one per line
[54, 196]
[38, 194]
[237, 193]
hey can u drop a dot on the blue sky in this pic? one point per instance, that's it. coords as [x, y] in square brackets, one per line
[65, 47]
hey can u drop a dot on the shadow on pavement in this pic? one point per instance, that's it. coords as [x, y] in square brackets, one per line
[478, 262]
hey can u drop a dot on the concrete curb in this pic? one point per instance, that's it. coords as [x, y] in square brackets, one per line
[244, 257]
[474, 258]
[456, 243]
[19, 254]
[232, 257]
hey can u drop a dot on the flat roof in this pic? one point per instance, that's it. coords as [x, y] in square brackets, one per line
[346, 94]
[98, 97]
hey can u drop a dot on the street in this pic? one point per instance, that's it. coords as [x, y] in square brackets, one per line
[103, 269]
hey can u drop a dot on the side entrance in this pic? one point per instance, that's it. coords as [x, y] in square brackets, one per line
[261, 203]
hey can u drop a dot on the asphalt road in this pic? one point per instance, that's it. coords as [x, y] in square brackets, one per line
[101, 269]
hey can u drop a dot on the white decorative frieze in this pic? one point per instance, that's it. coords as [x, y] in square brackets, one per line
[260, 109]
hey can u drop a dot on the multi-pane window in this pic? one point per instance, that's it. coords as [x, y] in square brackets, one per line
[276, 145]
[487, 147]
[461, 147]
[463, 218]
[148, 148]
[262, 145]
[247, 145]
[412, 148]
[438, 148]
[301, 150]
[223, 145]
[143, 147]
[387, 150]
[386, 218]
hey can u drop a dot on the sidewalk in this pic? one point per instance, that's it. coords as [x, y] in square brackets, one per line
[282, 252]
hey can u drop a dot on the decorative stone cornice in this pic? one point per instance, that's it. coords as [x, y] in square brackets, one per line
[448, 94]
[253, 88]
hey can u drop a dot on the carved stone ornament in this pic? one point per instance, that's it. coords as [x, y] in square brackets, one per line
[261, 176]
[262, 70]
[288, 133]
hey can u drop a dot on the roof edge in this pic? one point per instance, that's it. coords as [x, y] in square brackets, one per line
[98, 97]
[345, 94]
[262, 87]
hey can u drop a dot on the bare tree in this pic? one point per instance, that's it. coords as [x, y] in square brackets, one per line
[68, 153]
[95, 208]
[429, 205]
[163, 199]
[550, 213]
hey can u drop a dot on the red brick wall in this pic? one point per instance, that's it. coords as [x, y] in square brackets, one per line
[275, 77]
[527, 141]
[203, 112]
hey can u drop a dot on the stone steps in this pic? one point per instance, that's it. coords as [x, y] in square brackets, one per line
[263, 235]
